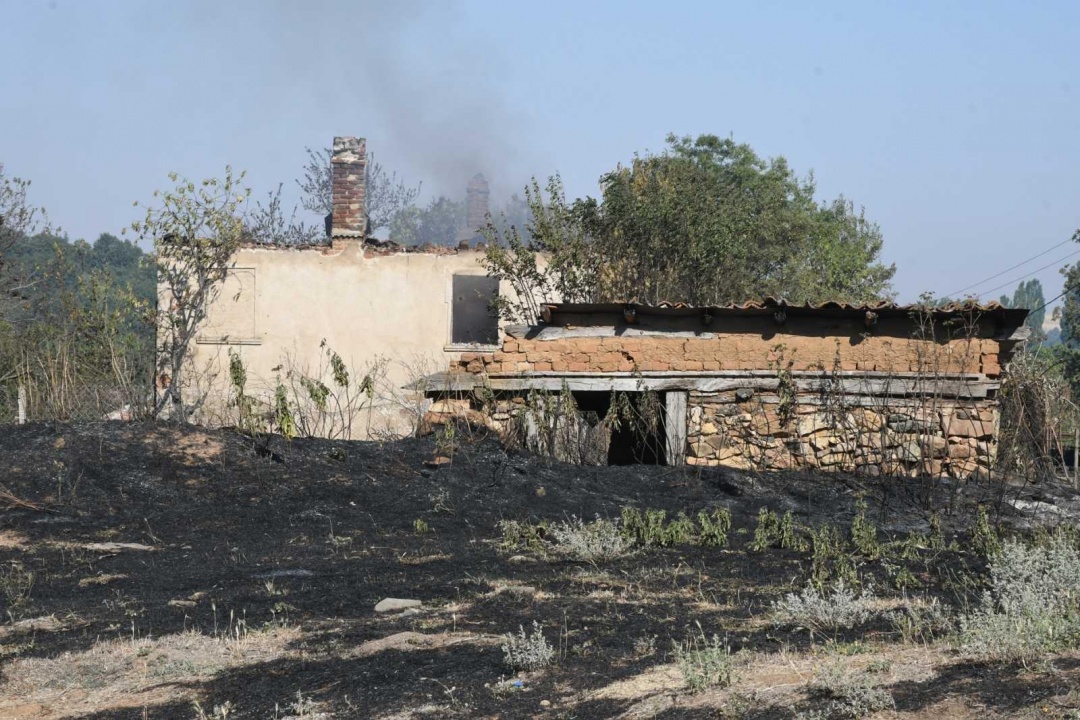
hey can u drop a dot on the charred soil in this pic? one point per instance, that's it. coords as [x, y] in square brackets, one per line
[149, 567]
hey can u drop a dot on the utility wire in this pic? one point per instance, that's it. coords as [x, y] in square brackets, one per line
[1030, 274]
[1010, 269]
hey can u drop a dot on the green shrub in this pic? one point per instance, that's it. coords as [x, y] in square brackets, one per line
[790, 536]
[921, 622]
[596, 541]
[837, 609]
[705, 662]
[680, 531]
[646, 528]
[851, 695]
[830, 558]
[984, 537]
[527, 651]
[767, 532]
[714, 527]
[518, 535]
[1031, 606]
[864, 532]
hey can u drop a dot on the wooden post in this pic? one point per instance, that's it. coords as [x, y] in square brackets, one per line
[675, 426]
[21, 417]
[1076, 459]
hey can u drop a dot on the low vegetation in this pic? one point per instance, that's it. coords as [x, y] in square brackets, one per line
[838, 608]
[147, 566]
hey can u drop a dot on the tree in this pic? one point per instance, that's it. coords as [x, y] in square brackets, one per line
[18, 219]
[267, 224]
[195, 229]
[384, 195]
[437, 224]
[1029, 295]
[551, 259]
[705, 222]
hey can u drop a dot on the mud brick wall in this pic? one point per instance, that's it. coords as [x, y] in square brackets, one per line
[745, 343]
[723, 351]
[892, 436]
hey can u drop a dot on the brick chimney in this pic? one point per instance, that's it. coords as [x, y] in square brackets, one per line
[347, 165]
[476, 208]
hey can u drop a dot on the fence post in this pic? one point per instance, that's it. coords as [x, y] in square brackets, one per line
[21, 418]
[1076, 458]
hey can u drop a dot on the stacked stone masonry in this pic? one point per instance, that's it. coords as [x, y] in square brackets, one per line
[931, 437]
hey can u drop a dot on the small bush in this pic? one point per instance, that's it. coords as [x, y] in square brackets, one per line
[775, 531]
[517, 535]
[592, 542]
[714, 527]
[644, 529]
[767, 532]
[527, 651]
[984, 537]
[864, 532]
[16, 582]
[790, 537]
[851, 695]
[841, 608]
[705, 662]
[680, 531]
[830, 558]
[1031, 605]
[922, 622]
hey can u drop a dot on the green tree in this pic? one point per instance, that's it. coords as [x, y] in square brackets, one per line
[707, 221]
[195, 229]
[436, 224]
[1029, 295]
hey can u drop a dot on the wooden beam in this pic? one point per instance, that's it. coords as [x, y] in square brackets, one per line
[675, 427]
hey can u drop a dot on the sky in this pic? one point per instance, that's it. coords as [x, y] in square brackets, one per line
[954, 124]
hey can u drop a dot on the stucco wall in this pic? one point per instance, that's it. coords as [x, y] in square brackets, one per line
[365, 303]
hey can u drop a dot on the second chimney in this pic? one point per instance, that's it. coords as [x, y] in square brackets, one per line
[348, 163]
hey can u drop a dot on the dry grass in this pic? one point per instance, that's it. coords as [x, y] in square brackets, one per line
[122, 673]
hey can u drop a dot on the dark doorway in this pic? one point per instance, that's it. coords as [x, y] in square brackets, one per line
[637, 426]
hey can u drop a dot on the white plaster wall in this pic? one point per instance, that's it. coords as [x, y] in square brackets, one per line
[395, 307]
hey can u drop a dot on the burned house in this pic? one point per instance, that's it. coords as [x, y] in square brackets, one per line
[880, 388]
[391, 313]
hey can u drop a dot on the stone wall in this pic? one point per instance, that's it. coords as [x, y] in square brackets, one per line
[892, 436]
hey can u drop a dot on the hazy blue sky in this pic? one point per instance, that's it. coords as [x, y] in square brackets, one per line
[954, 123]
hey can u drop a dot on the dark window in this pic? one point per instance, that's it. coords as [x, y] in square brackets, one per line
[474, 318]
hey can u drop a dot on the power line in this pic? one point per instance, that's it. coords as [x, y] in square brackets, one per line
[1010, 269]
[1030, 274]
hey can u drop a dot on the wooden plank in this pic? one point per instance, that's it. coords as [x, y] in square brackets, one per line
[550, 333]
[892, 387]
[956, 386]
[675, 427]
[748, 373]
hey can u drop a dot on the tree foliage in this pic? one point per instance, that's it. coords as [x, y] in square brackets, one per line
[436, 224]
[1029, 295]
[1069, 313]
[18, 219]
[195, 229]
[707, 221]
[384, 195]
[268, 225]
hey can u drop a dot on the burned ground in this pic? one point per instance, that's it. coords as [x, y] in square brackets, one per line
[175, 565]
